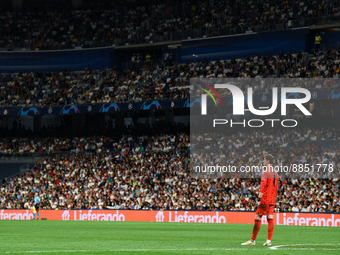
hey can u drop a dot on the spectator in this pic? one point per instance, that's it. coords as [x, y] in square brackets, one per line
[318, 40]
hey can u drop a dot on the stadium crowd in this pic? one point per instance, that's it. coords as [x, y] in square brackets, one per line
[153, 173]
[120, 23]
[155, 81]
[90, 86]
[268, 138]
[157, 21]
[23, 29]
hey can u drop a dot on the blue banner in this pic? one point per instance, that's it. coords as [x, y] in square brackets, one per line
[266, 98]
[57, 60]
[109, 107]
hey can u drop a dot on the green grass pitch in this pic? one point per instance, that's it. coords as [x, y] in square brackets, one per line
[89, 237]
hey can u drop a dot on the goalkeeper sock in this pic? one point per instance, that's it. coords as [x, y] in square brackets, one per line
[256, 229]
[33, 216]
[38, 216]
[270, 228]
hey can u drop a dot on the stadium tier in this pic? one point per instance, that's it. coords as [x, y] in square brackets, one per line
[158, 82]
[121, 23]
[153, 173]
[92, 86]
[165, 143]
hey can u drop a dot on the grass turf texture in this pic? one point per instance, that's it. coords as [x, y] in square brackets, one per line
[89, 237]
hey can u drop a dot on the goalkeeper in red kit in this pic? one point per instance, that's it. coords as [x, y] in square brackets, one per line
[267, 194]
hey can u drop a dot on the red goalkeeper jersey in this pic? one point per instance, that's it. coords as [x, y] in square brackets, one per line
[269, 185]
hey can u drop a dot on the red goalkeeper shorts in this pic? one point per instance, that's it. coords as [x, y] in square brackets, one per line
[265, 209]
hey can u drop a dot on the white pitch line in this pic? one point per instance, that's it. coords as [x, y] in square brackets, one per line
[285, 245]
[193, 249]
[308, 249]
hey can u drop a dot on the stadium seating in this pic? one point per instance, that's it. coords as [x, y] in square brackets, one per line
[120, 24]
[153, 173]
[145, 172]
[104, 144]
[157, 81]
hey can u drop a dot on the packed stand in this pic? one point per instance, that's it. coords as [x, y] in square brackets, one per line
[121, 23]
[266, 139]
[157, 82]
[152, 173]
[23, 29]
[161, 22]
[90, 86]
